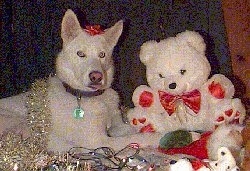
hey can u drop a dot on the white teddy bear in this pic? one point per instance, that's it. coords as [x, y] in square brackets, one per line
[180, 95]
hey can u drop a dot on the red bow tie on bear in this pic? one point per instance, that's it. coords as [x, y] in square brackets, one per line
[191, 99]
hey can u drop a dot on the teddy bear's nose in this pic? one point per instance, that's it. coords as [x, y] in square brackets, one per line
[172, 85]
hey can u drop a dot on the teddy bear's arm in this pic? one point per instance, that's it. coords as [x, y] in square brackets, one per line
[145, 97]
[220, 91]
[220, 87]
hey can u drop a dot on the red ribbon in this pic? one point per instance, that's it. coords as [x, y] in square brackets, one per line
[197, 148]
[94, 30]
[191, 99]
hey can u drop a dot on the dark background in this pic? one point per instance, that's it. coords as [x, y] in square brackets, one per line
[30, 36]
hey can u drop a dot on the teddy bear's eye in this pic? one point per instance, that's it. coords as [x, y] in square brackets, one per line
[102, 54]
[161, 76]
[80, 53]
[182, 71]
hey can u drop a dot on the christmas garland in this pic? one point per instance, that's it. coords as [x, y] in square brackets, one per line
[29, 154]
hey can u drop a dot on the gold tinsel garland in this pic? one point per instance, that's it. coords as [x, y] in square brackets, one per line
[39, 114]
[28, 154]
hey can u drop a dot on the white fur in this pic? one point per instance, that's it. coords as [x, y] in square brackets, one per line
[225, 136]
[164, 61]
[225, 162]
[100, 111]
[181, 165]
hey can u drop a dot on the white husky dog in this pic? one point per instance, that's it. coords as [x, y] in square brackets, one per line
[82, 104]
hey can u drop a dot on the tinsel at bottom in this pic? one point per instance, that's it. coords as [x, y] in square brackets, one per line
[19, 154]
[29, 154]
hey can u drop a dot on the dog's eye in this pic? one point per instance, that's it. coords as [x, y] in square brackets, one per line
[102, 54]
[80, 54]
[182, 71]
[161, 76]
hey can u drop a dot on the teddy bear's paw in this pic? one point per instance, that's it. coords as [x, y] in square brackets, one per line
[146, 99]
[234, 114]
[143, 97]
[220, 87]
[229, 117]
[142, 125]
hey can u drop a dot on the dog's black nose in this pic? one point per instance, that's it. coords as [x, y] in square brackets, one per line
[95, 77]
[173, 161]
[172, 85]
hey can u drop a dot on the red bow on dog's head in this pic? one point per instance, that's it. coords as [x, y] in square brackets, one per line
[94, 30]
[191, 99]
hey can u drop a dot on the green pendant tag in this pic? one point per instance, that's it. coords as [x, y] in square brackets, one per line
[78, 113]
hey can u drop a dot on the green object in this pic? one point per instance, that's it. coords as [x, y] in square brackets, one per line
[175, 139]
[78, 113]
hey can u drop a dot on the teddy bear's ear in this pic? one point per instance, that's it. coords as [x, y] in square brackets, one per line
[193, 39]
[147, 51]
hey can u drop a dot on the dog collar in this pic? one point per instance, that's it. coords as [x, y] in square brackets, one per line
[79, 93]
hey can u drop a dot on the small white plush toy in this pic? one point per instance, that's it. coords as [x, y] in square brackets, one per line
[180, 95]
[187, 165]
[180, 165]
[225, 162]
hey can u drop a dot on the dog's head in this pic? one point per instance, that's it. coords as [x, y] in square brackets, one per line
[85, 61]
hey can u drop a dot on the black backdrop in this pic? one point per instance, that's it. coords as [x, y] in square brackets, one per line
[30, 36]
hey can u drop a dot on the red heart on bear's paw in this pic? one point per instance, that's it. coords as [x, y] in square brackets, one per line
[220, 119]
[229, 112]
[146, 99]
[134, 121]
[147, 128]
[142, 120]
[216, 90]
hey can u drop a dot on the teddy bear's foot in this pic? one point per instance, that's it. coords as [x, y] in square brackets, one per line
[232, 113]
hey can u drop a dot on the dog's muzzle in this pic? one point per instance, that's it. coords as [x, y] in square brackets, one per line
[95, 77]
[96, 80]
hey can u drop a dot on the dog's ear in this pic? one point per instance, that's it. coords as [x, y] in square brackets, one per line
[113, 33]
[70, 26]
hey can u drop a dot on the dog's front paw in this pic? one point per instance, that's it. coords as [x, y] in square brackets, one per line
[122, 130]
